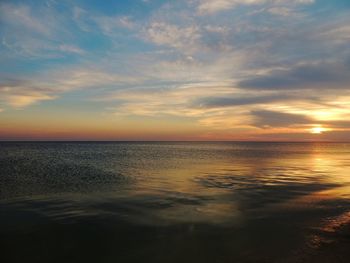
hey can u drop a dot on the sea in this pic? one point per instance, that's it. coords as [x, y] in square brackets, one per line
[174, 202]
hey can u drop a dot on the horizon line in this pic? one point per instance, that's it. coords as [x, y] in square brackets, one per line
[150, 141]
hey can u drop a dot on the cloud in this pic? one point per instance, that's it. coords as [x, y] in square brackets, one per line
[222, 102]
[20, 101]
[71, 49]
[337, 124]
[21, 17]
[214, 6]
[49, 85]
[111, 25]
[281, 11]
[80, 16]
[266, 118]
[36, 31]
[159, 101]
[309, 76]
[161, 33]
[19, 94]
[235, 70]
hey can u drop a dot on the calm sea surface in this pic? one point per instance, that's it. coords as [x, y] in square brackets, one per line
[174, 202]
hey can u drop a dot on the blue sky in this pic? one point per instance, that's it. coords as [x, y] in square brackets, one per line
[195, 69]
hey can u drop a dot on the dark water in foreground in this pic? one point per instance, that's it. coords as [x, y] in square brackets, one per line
[174, 202]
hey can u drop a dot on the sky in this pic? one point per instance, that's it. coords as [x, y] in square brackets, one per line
[260, 70]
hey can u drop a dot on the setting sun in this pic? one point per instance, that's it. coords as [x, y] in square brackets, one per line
[317, 130]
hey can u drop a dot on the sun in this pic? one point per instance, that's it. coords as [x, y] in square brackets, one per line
[317, 130]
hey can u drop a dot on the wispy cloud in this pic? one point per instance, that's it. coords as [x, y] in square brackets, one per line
[71, 49]
[20, 101]
[266, 119]
[17, 95]
[178, 37]
[320, 75]
[21, 16]
[36, 32]
[213, 6]
[232, 100]
[228, 65]
[110, 25]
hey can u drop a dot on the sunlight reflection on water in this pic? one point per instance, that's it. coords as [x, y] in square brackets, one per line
[249, 195]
